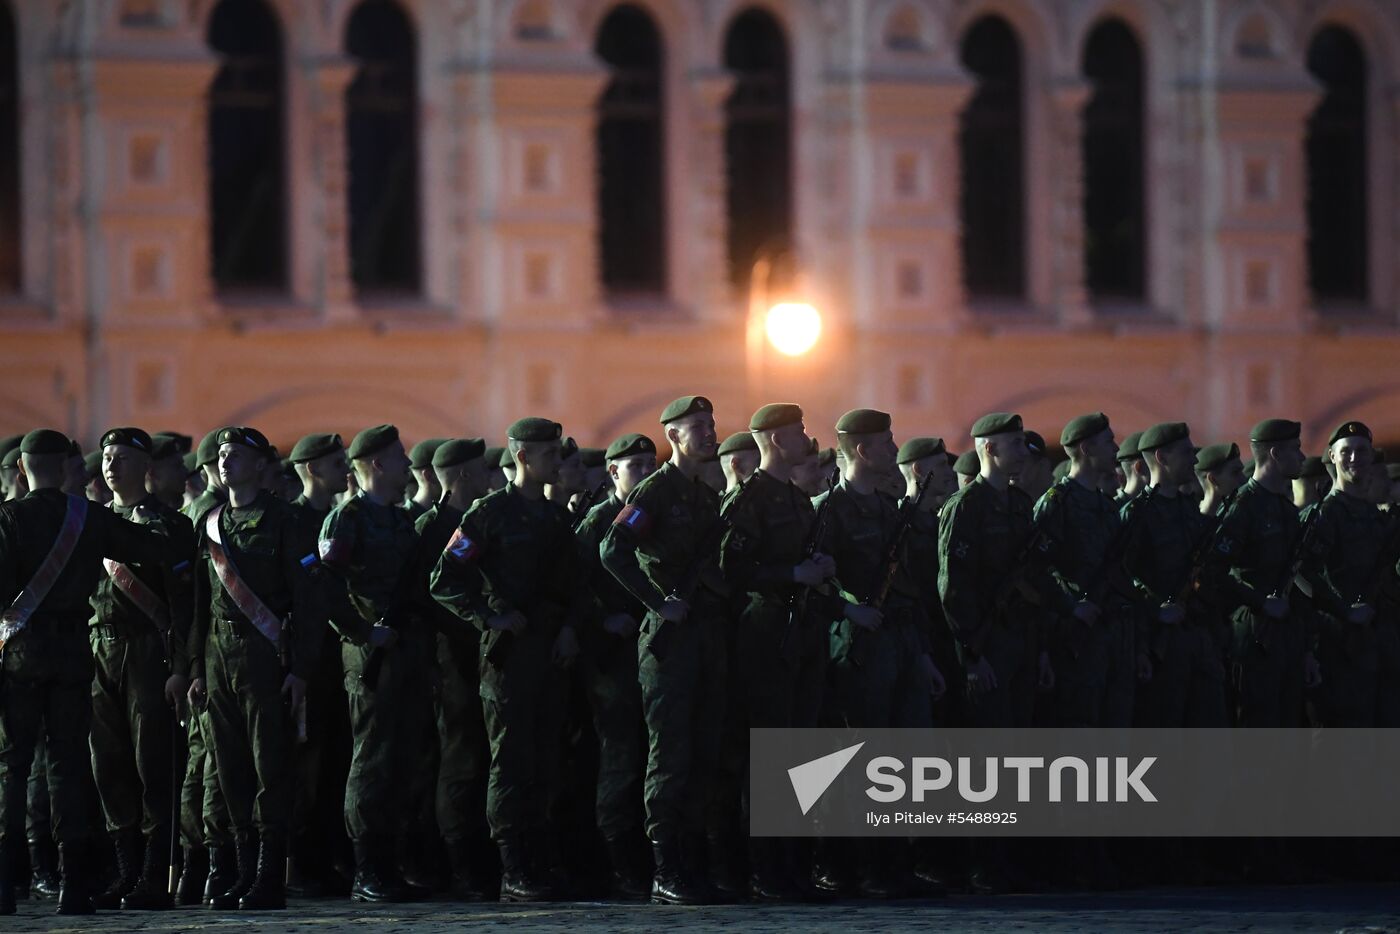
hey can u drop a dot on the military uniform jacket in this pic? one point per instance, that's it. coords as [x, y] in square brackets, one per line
[512, 553]
[921, 560]
[770, 523]
[858, 533]
[1080, 523]
[1159, 557]
[981, 534]
[173, 582]
[655, 543]
[1346, 548]
[1254, 547]
[434, 529]
[30, 525]
[199, 507]
[367, 546]
[267, 543]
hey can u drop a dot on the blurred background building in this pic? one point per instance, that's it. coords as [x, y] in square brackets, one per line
[321, 214]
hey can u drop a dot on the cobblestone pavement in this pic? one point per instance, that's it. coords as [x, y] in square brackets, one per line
[1351, 909]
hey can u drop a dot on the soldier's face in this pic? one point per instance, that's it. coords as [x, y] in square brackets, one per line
[1179, 462]
[165, 478]
[694, 435]
[394, 466]
[1289, 457]
[942, 480]
[478, 478]
[570, 471]
[124, 468]
[541, 460]
[1229, 478]
[1352, 458]
[239, 465]
[1101, 451]
[332, 471]
[792, 444]
[879, 452]
[627, 472]
[1010, 451]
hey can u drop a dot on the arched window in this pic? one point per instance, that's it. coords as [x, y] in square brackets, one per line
[381, 130]
[1114, 230]
[757, 142]
[9, 152]
[1337, 167]
[247, 192]
[631, 170]
[991, 147]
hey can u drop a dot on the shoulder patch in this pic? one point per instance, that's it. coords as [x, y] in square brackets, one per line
[635, 519]
[461, 548]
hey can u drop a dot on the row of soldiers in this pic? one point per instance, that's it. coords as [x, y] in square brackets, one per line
[254, 665]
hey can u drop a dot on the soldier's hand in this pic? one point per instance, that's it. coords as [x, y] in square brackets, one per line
[176, 689]
[507, 622]
[674, 610]
[1087, 612]
[1312, 671]
[866, 617]
[198, 696]
[1171, 614]
[1275, 606]
[980, 676]
[619, 624]
[809, 573]
[294, 690]
[1144, 667]
[826, 563]
[1046, 672]
[1361, 614]
[382, 637]
[937, 685]
[565, 647]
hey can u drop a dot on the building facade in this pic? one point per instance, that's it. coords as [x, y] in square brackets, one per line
[321, 214]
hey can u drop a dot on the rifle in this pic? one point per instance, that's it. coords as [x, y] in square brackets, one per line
[797, 601]
[587, 502]
[908, 510]
[689, 583]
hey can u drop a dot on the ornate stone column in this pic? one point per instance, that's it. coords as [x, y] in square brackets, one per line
[335, 291]
[1067, 99]
[706, 250]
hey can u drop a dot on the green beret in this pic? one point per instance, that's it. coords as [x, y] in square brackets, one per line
[967, 464]
[916, 449]
[826, 458]
[684, 406]
[183, 443]
[1061, 470]
[1272, 430]
[863, 422]
[630, 444]
[128, 437]
[47, 441]
[373, 440]
[247, 437]
[1083, 428]
[208, 450]
[314, 447]
[1035, 442]
[997, 423]
[591, 457]
[164, 446]
[421, 457]
[493, 456]
[739, 441]
[1349, 430]
[507, 459]
[1128, 450]
[775, 415]
[92, 464]
[10, 444]
[191, 461]
[1162, 434]
[456, 451]
[11, 458]
[535, 429]
[1214, 456]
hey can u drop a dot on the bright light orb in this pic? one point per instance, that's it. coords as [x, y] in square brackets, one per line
[793, 327]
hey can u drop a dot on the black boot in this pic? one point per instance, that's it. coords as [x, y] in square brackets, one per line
[268, 892]
[223, 873]
[8, 874]
[470, 881]
[193, 875]
[768, 878]
[127, 846]
[520, 880]
[73, 898]
[371, 883]
[43, 868]
[670, 883]
[152, 892]
[630, 880]
[246, 856]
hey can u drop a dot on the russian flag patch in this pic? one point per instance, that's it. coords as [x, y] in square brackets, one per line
[634, 519]
[461, 549]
